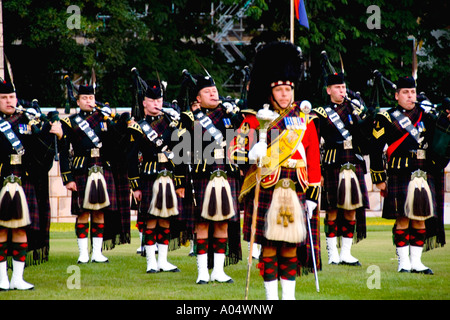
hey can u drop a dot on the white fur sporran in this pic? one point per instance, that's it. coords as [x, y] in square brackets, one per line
[419, 202]
[285, 219]
[218, 202]
[349, 191]
[96, 194]
[164, 202]
[14, 211]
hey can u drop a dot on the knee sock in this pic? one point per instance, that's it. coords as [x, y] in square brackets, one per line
[330, 228]
[149, 237]
[288, 268]
[348, 228]
[82, 230]
[19, 251]
[201, 246]
[268, 268]
[163, 236]
[401, 237]
[417, 237]
[3, 251]
[220, 245]
[97, 230]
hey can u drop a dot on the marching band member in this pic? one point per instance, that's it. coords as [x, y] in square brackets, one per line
[290, 181]
[89, 176]
[159, 185]
[405, 180]
[21, 150]
[211, 210]
[344, 194]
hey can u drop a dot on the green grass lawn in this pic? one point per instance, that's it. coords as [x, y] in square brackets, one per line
[124, 277]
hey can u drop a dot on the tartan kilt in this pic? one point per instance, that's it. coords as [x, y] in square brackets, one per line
[304, 252]
[397, 189]
[265, 199]
[192, 213]
[330, 187]
[120, 222]
[147, 194]
[81, 180]
[178, 233]
[435, 235]
[30, 194]
[33, 206]
[329, 198]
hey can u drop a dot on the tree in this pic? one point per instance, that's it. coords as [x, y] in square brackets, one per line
[166, 37]
[342, 27]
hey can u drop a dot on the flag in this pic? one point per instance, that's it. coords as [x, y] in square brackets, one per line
[300, 12]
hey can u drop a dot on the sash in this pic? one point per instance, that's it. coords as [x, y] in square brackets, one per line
[406, 124]
[152, 135]
[336, 120]
[6, 128]
[84, 126]
[208, 125]
[281, 149]
[409, 130]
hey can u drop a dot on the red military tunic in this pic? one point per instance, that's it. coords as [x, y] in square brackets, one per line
[302, 167]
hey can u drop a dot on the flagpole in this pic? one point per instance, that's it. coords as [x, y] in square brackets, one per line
[292, 22]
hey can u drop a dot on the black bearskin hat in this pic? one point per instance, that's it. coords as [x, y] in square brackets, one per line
[277, 63]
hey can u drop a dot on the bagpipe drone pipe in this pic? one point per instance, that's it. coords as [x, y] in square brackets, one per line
[118, 122]
[103, 107]
[231, 106]
[441, 139]
[37, 119]
[363, 114]
[170, 110]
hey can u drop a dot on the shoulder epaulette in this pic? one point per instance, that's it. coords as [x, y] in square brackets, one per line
[67, 121]
[137, 127]
[189, 114]
[321, 111]
[386, 115]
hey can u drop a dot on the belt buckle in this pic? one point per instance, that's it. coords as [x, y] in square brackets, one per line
[162, 158]
[421, 154]
[348, 144]
[16, 159]
[95, 152]
[219, 154]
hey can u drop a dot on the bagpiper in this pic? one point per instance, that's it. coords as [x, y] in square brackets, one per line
[157, 184]
[405, 178]
[211, 208]
[23, 146]
[344, 194]
[85, 170]
[290, 173]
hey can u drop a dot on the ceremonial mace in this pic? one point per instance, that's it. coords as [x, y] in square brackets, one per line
[264, 116]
